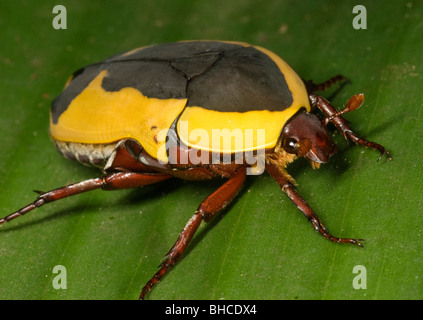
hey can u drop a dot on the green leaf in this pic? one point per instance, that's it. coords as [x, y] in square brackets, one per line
[261, 247]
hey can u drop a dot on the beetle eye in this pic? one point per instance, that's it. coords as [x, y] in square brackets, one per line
[290, 145]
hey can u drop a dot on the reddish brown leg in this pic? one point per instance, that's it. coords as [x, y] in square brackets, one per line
[342, 125]
[114, 181]
[313, 87]
[284, 182]
[212, 205]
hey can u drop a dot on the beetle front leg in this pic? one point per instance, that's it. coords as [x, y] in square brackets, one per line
[212, 205]
[284, 181]
[114, 181]
[341, 124]
[301, 204]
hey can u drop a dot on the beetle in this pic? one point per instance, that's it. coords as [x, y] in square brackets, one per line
[147, 115]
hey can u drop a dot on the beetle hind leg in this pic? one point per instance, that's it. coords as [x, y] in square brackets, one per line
[212, 205]
[114, 181]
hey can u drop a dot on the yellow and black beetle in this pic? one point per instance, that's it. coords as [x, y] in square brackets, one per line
[153, 113]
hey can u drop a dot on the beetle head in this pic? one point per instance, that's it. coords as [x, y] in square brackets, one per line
[306, 136]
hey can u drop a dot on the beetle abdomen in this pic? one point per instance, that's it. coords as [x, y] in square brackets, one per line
[88, 154]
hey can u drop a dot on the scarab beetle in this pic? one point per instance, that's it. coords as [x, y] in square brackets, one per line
[153, 113]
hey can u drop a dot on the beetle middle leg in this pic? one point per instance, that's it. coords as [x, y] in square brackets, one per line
[114, 181]
[286, 184]
[212, 205]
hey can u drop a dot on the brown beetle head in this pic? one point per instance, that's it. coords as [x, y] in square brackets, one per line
[306, 136]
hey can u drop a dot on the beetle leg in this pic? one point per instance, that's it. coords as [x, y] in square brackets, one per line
[342, 125]
[313, 87]
[285, 182]
[212, 205]
[114, 181]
